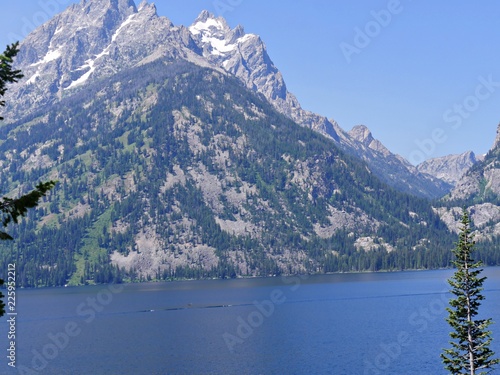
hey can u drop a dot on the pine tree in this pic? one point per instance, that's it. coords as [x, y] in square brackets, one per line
[11, 209]
[470, 352]
[7, 74]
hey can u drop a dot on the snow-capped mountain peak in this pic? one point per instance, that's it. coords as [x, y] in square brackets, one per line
[95, 39]
[207, 22]
[243, 55]
[216, 36]
[88, 41]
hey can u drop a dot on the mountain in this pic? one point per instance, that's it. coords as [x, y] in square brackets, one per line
[173, 170]
[363, 135]
[482, 181]
[98, 38]
[170, 165]
[89, 41]
[449, 168]
[391, 168]
[478, 190]
[245, 56]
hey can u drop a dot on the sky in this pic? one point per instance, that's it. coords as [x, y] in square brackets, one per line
[423, 76]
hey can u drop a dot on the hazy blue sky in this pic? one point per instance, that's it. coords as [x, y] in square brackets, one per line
[424, 75]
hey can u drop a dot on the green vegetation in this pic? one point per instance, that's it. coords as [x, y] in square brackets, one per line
[470, 352]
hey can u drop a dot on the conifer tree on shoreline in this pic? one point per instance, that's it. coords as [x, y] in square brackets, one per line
[11, 209]
[470, 352]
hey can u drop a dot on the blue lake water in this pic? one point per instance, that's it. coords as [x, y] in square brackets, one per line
[371, 323]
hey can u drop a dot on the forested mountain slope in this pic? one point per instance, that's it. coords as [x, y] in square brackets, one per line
[174, 170]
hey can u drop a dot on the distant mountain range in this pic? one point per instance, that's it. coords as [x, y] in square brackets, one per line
[449, 168]
[178, 154]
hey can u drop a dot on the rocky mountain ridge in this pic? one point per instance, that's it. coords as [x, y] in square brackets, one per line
[478, 189]
[98, 38]
[482, 181]
[449, 168]
[245, 56]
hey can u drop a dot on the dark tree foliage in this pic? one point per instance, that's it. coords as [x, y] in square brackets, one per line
[13, 208]
[470, 352]
[7, 74]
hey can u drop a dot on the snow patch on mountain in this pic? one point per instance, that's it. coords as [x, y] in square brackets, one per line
[50, 56]
[206, 25]
[129, 20]
[89, 64]
[214, 34]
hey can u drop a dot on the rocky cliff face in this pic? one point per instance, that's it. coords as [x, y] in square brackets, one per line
[392, 168]
[449, 168]
[482, 181]
[485, 219]
[479, 190]
[87, 42]
[363, 135]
